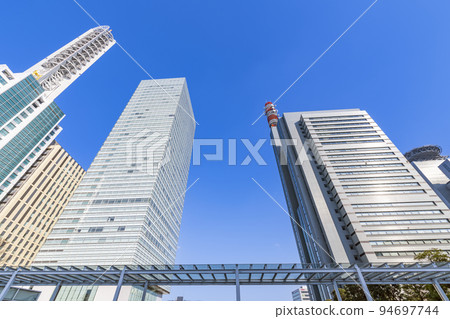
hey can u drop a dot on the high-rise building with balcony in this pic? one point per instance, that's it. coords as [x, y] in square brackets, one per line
[352, 195]
[127, 209]
[29, 117]
[29, 211]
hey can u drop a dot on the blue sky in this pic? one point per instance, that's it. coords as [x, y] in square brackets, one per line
[236, 55]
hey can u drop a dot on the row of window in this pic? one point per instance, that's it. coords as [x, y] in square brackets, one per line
[364, 149]
[335, 121]
[369, 166]
[347, 133]
[334, 117]
[408, 231]
[410, 191]
[343, 128]
[405, 222]
[353, 160]
[410, 242]
[394, 204]
[100, 229]
[387, 171]
[354, 179]
[346, 124]
[361, 155]
[398, 253]
[380, 185]
[347, 137]
[402, 212]
[353, 142]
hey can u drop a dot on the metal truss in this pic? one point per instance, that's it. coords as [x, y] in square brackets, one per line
[229, 274]
[74, 57]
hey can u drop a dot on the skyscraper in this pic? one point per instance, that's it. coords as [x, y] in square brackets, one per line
[351, 194]
[127, 209]
[434, 168]
[29, 117]
[29, 211]
[301, 294]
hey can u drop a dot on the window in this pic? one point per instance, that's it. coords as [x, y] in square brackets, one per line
[95, 229]
[87, 295]
[121, 228]
[110, 219]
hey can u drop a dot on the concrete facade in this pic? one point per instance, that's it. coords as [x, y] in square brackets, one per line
[352, 195]
[31, 209]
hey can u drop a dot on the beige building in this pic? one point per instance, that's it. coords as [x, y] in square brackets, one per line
[30, 210]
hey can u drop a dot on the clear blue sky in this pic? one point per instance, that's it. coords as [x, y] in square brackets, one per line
[236, 55]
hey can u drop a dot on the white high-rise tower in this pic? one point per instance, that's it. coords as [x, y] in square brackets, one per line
[29, 117]
[127, 209]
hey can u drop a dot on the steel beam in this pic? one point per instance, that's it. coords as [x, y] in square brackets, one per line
[145, 290]
[238, 286]
[336, 290]
[363, 284]
[8, 285]
[55, 292]
[119, 284]
[440, 291]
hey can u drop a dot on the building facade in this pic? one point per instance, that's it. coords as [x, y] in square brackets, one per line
[301, 294]
[29, 117]
[127, 209]
[351, 194]
[434, 168]
[31, 208]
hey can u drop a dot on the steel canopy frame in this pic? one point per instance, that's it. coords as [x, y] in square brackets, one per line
[228, 274]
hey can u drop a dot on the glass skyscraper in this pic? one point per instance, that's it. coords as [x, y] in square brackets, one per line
[29, 117]
[127, 209]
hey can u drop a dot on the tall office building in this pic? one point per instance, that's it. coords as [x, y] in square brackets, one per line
[127, 209]
[29, 211]
[301, 294]
[351, 194]
[434, 168]
[29, 117]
